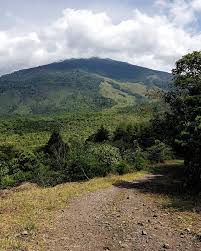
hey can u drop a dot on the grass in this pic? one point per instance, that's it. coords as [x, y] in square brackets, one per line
[120, 98]
[28, 210]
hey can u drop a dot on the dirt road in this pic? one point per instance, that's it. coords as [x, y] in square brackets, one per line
[127, 216]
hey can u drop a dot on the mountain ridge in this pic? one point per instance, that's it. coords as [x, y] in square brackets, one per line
[75, 85]
[85, 59]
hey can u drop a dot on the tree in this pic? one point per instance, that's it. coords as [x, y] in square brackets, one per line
[57, 149]
[101, 135]
[185, 103]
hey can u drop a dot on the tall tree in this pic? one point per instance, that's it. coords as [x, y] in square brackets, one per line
[185, 103]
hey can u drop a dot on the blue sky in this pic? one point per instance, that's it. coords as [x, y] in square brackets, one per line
[149, 33]
[44, 11]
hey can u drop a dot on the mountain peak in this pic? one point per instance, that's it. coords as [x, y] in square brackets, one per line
[89, 84]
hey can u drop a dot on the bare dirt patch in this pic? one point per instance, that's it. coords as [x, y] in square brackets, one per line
[127, 216]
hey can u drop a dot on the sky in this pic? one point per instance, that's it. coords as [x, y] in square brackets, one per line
[150, 33]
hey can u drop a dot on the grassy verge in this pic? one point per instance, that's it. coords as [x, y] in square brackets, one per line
[27, 210]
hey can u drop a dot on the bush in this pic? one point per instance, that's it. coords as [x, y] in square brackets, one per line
[86, 162]
[105, 154]
[4, 170]
[159, 152]
[7, 181]
[122, 168]
[101, 135]
[140, 160]
[21, 176]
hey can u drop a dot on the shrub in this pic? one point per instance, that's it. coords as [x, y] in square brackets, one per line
[101, 135]
[159, 152]
[25, 161]
[4, 170]
[21, 176]
[105, 154]
[122, 168]
[86, 162]
[57, 151]
[140, 160]
[45, 176]
[7, 181]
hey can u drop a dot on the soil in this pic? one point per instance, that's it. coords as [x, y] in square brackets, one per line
[127, 216]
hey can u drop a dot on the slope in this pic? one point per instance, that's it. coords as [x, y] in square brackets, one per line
[76, 85]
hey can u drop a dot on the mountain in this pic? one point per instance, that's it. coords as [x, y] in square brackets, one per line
[77, 85]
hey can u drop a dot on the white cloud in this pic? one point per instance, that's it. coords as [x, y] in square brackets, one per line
[196, 5]
[152, 41]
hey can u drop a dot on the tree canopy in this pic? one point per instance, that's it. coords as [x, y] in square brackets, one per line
[185, 113]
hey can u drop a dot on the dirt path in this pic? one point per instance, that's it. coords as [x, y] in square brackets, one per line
[122, 217]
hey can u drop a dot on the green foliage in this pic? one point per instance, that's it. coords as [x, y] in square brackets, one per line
[56, 150]
[101, 135]
[4, 170]
[72, 86]
[7, 181]
[49, 92]
[91, 160]
[185, 104]
[106, 154]
[122, 168]
[159, 152]
[43, 157]
[140, 160]
[34, 131]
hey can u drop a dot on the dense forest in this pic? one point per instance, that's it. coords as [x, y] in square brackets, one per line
[77, 85]
[51, 149]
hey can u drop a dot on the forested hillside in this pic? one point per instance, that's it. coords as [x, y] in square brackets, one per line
[77, 85]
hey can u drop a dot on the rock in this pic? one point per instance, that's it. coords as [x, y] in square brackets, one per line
[144, 232]
[155, 215]
[128, 238]
[198, 236]
[124, 245]
[25, 232]
[182, 235]
[140, 224]
[128, 197]
[188, 230]
[166, 246]
[106, 248]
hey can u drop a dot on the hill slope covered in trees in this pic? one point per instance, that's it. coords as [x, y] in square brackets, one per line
[76, 85]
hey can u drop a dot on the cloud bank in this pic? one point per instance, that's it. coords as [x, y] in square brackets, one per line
[154, 41]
